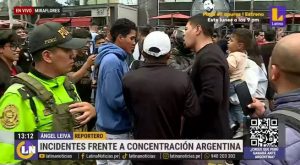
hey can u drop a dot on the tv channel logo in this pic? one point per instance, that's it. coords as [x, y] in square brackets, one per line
[26, 150]
[277, 15]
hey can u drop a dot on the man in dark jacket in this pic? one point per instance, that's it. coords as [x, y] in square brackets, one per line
[157, 95]
[9, 53]
[211, 80]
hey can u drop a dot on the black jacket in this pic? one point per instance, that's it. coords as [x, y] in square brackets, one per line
[5, 75]
[158, 96]
[211, 80]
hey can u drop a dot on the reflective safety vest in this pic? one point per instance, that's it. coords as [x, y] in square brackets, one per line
[63, 120]
[34, 104]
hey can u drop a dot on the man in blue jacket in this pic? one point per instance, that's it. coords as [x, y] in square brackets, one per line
[284, 71]
[112, 114]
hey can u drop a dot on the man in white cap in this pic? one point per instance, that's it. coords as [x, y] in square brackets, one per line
[157, 95]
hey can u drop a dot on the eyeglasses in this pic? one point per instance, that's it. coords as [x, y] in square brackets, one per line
[13, 47]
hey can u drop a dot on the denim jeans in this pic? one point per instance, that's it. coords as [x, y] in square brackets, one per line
[115, 162]
[235, 114]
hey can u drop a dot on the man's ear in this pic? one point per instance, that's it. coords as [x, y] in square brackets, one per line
[119, 37]
[1, 50]
[275, 73]
[198, 29]
[47, 56]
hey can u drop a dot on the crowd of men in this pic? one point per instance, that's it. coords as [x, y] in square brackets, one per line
[139, 83]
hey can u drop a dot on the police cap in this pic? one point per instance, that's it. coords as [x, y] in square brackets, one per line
[53, 34]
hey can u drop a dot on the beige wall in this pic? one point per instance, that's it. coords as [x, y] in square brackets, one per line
[128, 12]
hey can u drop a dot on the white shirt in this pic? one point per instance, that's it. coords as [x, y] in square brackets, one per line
[136, 53]
[256, 79]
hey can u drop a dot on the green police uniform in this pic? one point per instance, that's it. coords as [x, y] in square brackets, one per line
[39, 103]
[16, 114]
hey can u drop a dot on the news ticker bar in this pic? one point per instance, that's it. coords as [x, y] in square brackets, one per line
[139, 156]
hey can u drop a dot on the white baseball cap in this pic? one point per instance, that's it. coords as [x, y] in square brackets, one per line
[157, 43]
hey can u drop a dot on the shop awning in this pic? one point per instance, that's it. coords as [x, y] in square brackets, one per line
[43, 20]
[171, 16]
[61, 20]
[81, 21]
[58, 20]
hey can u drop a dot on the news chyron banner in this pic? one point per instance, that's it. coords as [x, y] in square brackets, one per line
[91, 145]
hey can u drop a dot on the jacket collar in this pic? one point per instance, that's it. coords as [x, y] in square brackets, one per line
[153, 64]
[289, 99]
[46, 80]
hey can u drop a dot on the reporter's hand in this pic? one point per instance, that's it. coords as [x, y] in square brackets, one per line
[88, 111]
[90, 60]
[259, 108]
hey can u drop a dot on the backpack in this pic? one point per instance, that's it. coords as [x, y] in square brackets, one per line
[290, 117]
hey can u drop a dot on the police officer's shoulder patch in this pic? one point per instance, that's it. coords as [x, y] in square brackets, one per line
[10, 117]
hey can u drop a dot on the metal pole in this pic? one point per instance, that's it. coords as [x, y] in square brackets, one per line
[10, 15]
[234, 5]
[157, 11]
[147, 13]
[108, 13]
[251, 8]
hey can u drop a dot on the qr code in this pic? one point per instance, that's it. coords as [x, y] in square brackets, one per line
[264, 132]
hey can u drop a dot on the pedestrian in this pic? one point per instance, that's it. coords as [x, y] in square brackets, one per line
[81, 71]
[112, 114]
[43, 100]
[99, 40]
[260, 37]
[210, 78]
[167, 95]
[9, 53]
[238, 43]
[284, 68]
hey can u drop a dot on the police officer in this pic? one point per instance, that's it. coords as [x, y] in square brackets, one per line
[43, 100]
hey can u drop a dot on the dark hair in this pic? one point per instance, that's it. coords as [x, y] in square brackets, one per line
[207, 27]
[145, 30]
[207, 0]
[37, 55]
[99, 37]
[270, 35]
[15, 27]
[243, 36]
[256, 32]
[94, 24]
[223, 45]
[81, 33]
[153, 58]
[254, 53]
[122, 27]
[9, 37]
[216, 33]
